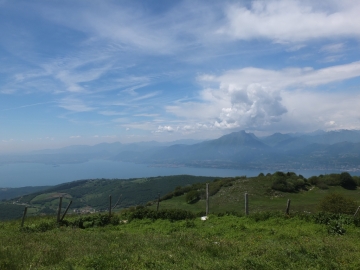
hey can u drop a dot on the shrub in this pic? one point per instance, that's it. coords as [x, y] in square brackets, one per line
[192, 196]
[313, 180]
[336, 227]
[97, 220]
[347, 181]
[336, 203]
[170, 214]
[322, 185]
[288, 182]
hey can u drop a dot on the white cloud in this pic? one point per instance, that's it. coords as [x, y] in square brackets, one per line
[149, 95]
[74, 105]
[295, 48]
[147, 115]
[333, 48]
[7, 91]
[111, 113]
[256, 99]
[75, 137]
[287, 21]
[166, 129]
[308, 111]
[278, 79]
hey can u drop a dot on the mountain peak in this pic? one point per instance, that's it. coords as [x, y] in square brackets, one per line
[238, 138]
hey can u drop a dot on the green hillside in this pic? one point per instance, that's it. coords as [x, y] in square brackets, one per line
[263, 194]
[266, 193]
[93, 195]
[9, 193]
[174, 237]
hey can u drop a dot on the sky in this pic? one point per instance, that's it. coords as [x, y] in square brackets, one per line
[86, 72]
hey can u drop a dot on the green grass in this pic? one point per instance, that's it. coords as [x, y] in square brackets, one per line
[261, 198]
[230, 199]
[266, 239]
[228, 242]
[95, 193]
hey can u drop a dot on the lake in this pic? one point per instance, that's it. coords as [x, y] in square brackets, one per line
[36, 174]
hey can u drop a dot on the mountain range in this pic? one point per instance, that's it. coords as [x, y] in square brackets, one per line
[333, 150]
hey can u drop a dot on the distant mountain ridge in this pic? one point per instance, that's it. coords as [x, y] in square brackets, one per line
[337, 150]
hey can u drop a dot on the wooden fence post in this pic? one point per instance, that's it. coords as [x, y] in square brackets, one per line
[357, 210]
[158, 202]
[288, 207]
[23, 218]
[110, 205]
[207, 199]
[67, 208]
[246, 204]
[59, 210]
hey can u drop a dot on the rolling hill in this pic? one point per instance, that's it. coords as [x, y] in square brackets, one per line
[93, 195]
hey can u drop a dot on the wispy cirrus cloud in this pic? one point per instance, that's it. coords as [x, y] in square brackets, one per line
[149, 95]
[28, 105]
[333, 48]
[111, 113]
[74, 105]
[291, 21]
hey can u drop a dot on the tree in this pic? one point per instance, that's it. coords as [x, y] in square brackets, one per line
[347, 181]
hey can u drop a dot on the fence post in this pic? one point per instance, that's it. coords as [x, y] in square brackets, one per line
[110, 205]
[23, 218]
[246, 204]
[67, 208]
[357, 210]
[59, 209]
[288, 207]
[207, 199]
[158, 202]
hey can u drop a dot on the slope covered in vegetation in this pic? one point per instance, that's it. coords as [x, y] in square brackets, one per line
[93, 195]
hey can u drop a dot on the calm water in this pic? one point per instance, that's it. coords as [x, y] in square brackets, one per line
[35, 174]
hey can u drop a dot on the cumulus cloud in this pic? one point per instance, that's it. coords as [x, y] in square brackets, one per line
[287, 21]
[251, 106]
[166, 129]
[310, 110]
[254, 98]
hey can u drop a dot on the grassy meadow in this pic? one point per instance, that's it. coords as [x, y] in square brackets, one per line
[231, 198]
[258, 241]
[175, 237]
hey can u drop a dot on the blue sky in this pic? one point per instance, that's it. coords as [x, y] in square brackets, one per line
[85, 72]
